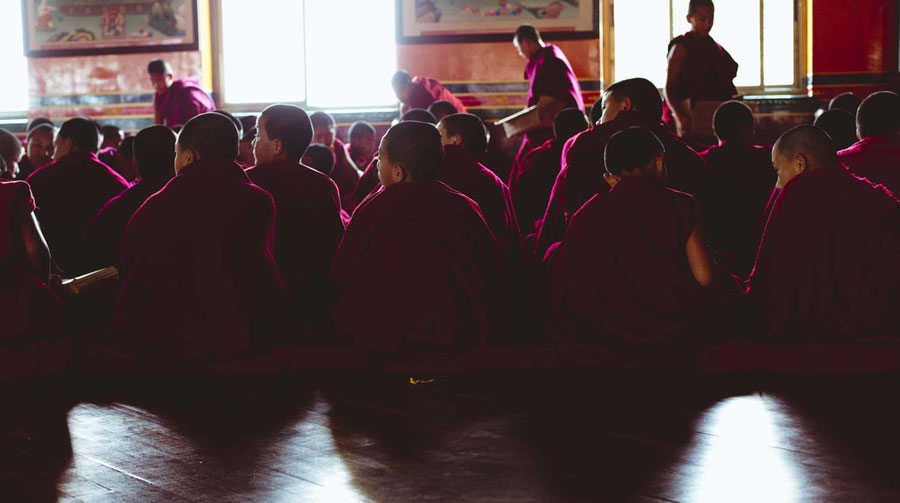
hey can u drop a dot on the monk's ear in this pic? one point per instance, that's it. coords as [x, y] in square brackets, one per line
[627, 104]
[610, 179]
[279, 147]
[457, 139]
[801, 163]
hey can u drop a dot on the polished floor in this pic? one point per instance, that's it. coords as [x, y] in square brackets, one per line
[485, 438]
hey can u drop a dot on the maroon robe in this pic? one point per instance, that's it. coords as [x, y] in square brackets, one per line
[69, 192]
[582, 171]
[876, 158]
[740, 183]
[199, 276]
[532, 181]
[707, 73]
[465, 174]
[183, 101]
[622, 274]
[367, 183]
[425, 91]
[344, 174]
[417, 272]
[829, 263]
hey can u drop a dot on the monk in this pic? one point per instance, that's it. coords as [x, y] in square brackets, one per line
[848, 102]
[829, 263]
[633, 268]
[465, 142]
[10, 152]
[419, 115]
[535, 175]
[362, 146]
[840, 126]
[319, 157]
[124, 161]
[596, 112]
[740, 183]
[877, 154]
[309, 227]
[699, 69]
[38, 150]
[631, 102]
[345, 174]
[417, 271]
[552, 84]
[112, 137]
[71, 190]
[441, 109]
[421, 92]
[154, 156]
[176, 100]
[200, 281]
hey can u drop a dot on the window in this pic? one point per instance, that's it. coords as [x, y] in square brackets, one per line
[761, 35]
[320, 53]
[14, 84]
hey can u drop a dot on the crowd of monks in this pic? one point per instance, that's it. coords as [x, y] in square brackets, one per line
[612, 233]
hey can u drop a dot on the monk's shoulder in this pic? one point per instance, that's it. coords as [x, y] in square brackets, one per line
[16, 196]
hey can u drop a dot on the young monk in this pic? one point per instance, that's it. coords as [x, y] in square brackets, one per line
[38, 150]
[309, 227]
[633, 267]
[176, 100]
[362, 146]
[417, 271]
[441, 109]
[200, 280]
[877, 154]
[345, 174]
[465, 142]
[421, 92]
[319, 157]
[71, 190]
[112, 137]
[124, 162]
[840, 126]
[847, 102]
[154, 156]
[10, 152]
[534, 177]
[699, 69]
[419, 115]
[740, 183]
[632, 102]
[829, 263]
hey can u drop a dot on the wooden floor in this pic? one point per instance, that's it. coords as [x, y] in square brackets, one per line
[486, 438]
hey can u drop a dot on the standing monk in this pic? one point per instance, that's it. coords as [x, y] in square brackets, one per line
[699, 69]
[876, 155]
[552, 84]
[176, 100]
[421, 92]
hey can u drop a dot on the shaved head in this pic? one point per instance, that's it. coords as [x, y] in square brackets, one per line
[643, 95]
[879, 115]
[801, 149]
[154, 152]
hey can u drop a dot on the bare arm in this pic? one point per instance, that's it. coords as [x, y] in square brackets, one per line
[681, 108]
[699, 259]
[36, 248]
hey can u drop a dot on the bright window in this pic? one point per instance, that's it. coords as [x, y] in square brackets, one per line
[14, 84]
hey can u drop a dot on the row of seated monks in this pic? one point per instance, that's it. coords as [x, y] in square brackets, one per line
[615, 235]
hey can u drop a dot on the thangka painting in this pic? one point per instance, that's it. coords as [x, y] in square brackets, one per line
[462, 20]
[79, 27]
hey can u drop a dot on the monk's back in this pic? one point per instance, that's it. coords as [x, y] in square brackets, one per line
[875, 158]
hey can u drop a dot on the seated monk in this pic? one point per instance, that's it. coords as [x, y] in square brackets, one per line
[536, 173]
[876, 155]
[840, 126]
[112, 136]
[632, 102]
[309, 227]
[319, 157]
[124, 163]
[10, 152]
[362, 143]
[38, 150]
[71, 190]
[421, 92]
[847, 102]
[199, 277]
[633, 267]
[829, 263]
[441, 109]
[154, 155]
[740, 183]
[465, 142]
[419, 115]
[345, 174]
[176, 101]
[418, 269]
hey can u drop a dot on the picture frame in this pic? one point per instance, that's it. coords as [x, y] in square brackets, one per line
[454, 21]
[54, 28]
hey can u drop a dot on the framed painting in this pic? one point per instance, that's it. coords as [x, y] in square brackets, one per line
[81, 27]
[439, 21]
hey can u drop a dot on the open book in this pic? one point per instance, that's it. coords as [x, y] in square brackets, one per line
[87, 281]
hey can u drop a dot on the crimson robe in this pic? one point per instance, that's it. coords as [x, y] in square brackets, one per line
[69, 192]
[417, 271]
[183, 101]
[707, 73]
[740, 183]
[532, 181]
[464, 173]
[425, 91]
[367, 183]
[582, 171]
[876, 158]
[622, 273]
[199, 276]
[829, 263]
[344, 174]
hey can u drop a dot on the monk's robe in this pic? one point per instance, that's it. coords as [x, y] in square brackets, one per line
[28, 308]
[103, 238]
[741, 180]
[26, 168]
[707, 73]
[308, 228]
[549, 74]
[344, 174]
[183, 101]
[367, 183]
[199, 277]
[622, 273]
[360, 160]
[582, 171]
[532, 182]
[108, 156]
[417, 272]
[464, 173]
[69, 192]
[425, 91]
[829, 263]
[876, 158]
